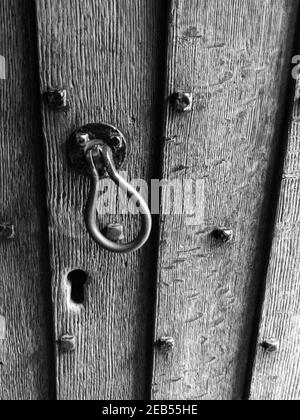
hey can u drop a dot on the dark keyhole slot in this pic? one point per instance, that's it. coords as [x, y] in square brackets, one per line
[77, 279]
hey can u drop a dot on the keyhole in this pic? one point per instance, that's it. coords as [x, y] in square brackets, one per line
[77, 280]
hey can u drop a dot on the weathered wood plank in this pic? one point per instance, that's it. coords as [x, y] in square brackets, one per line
[276, 376]
[232, 55]
[25, 312]
[105, 53]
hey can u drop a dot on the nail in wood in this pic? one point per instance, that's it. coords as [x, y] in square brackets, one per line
[7, 231]
[67, 343]
[166, 344]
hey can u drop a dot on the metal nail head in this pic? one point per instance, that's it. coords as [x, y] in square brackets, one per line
[271, 346]
[182, 101]
[7, 232]
[57, 99]
[223, 234]
[166, 344]
[115, 232]
[67, 343]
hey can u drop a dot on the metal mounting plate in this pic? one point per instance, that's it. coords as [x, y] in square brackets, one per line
[88, 136]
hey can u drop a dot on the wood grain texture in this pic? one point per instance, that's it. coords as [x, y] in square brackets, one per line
[276, 376]
[232, 55]
[105, 53]
[25, 311]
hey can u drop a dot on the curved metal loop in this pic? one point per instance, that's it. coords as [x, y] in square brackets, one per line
[105, 153]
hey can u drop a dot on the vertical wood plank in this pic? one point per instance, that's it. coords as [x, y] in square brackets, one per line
[276, 376]
[232, 55]
[106, 54]
[25, 311]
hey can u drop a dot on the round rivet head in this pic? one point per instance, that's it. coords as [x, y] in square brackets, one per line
[117, 142]
[67, 343]
[182, 101]
[57, 99]
[166, 344]
[223, 235]
[271, 346]
[115, 232]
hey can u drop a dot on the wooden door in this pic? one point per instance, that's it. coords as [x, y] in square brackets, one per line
[234, 58]
[26, 355]
[178, 319]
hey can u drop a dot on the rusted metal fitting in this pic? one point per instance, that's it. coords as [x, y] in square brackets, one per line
[115, 232]
[271, 346]
[182, 101]
[166, 344]
[7, 231]
[223, 234]
[57, 99]
[67, 343]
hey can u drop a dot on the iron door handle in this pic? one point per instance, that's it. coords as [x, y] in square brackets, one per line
[99, 150]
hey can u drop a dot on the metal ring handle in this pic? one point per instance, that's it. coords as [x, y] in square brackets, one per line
[91, 210]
